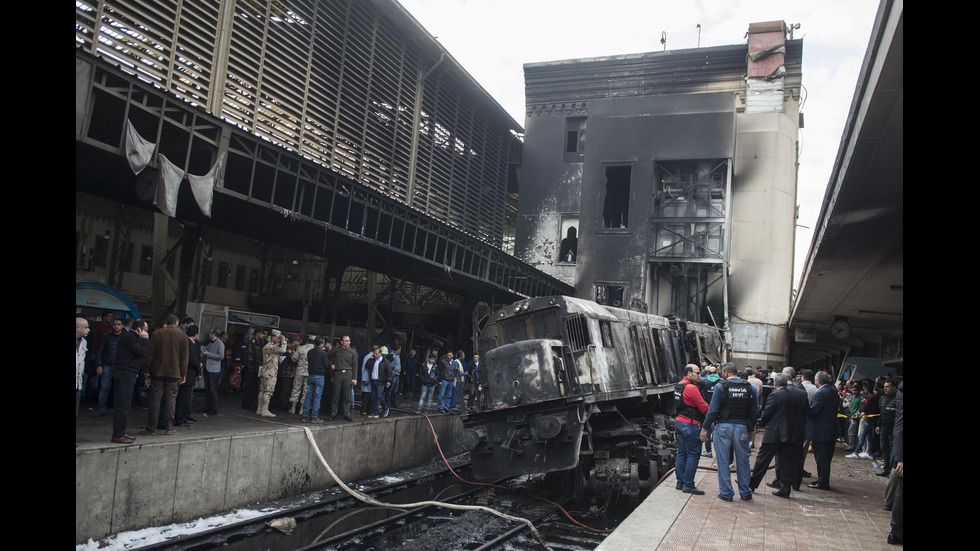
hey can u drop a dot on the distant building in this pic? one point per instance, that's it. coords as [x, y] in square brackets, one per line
[666, 182]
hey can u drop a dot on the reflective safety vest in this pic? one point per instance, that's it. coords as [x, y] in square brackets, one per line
[458, 368]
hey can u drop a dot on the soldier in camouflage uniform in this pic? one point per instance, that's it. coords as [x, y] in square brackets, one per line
[269, 371]
[250, 369]
[298, 395]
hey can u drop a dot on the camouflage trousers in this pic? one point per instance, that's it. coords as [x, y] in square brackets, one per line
[298, 395]
[267, 383]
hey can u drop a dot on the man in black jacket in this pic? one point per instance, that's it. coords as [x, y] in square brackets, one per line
[428, 376]
[105, 358]
[130, 355]
[447, 377]
[318, 367]
[888, 404]
[821, 428]
[784, 419]
[185, 392]
[380, 372]
[897, 534]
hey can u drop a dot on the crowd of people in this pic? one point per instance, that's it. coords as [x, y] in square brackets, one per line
[799, 412]
[717, 406]
[300, 376]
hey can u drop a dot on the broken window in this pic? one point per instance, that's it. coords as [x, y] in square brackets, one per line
[100, 253]
[568, 246]
[689, 208]
[574, 138]
[223, 272]
[146, 261]
[610, 294]
[616, 202]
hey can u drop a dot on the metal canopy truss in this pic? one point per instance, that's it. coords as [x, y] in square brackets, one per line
[276, 195]
[690, 224]
[356, 86]
[394, 291]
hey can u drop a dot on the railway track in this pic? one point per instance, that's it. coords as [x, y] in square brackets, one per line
[450, 530]
[334, 520]
[323, 514]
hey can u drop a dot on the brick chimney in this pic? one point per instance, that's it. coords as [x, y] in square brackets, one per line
[765, 70]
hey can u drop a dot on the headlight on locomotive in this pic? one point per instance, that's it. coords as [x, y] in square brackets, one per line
[547, 427]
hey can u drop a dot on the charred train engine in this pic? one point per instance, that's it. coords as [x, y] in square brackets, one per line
[583, 391]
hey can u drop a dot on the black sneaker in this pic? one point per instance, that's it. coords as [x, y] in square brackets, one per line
[384, 413]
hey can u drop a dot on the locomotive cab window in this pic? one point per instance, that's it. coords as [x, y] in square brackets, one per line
[605, 330]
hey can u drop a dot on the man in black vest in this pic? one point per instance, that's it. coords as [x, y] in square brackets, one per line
[784, 419]
[888, 404]
[897, 534]
[691, 409]
[735, 408]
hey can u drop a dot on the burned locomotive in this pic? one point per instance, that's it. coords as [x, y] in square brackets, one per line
[581, 389]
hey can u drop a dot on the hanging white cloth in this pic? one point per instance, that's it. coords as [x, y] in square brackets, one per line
[203, 186]
[138, 151]
[168, 184]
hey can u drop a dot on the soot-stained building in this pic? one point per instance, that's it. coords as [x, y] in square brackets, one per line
[666, 182]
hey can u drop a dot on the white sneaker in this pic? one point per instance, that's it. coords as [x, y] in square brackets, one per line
[852, 456]
[864, 455]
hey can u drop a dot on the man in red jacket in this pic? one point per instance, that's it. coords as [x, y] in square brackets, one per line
[691, 409]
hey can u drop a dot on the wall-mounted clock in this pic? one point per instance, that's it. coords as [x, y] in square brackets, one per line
[840, 329]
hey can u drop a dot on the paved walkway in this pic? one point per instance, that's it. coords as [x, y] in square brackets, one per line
[848, 517]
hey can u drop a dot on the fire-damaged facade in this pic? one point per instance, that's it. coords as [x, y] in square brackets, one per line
[666, 182]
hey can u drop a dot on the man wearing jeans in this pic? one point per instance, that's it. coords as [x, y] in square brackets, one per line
[428, 377]
[447, 377]
[105, 358]
[691, 409]
[735, 408]
[888, 404]
[317, 366]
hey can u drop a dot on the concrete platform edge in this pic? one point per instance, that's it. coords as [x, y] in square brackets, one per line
[163, 480]
[647, 526]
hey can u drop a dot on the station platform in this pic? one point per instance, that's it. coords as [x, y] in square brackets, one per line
[202, 471]
[848, 516]
[234, 459]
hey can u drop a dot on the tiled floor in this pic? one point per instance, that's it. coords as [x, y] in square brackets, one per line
[848, 517]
